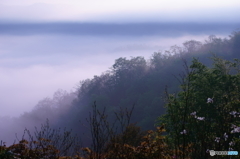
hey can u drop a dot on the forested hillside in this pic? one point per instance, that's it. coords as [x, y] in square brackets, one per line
[142, 82]
[146, 85]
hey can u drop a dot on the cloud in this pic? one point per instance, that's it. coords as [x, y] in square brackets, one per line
[21, 88]
[103, 29]
[120, 11]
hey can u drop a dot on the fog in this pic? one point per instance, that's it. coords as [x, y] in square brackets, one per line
[38, 59]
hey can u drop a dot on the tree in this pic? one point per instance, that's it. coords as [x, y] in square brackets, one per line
[204, 115]
[192, 46]
[44, 143]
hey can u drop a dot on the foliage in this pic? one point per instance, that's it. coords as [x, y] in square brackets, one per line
[126, 141]
[205, 114]
[150, 146]
[45, 143]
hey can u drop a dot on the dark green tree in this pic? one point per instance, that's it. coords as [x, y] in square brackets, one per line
[205, 113]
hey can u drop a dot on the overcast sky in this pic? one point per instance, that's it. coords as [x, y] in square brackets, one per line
[53, 44]
[120, 11]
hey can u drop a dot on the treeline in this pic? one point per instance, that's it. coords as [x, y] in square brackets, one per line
[143, 83]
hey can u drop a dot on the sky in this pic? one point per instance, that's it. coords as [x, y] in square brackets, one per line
[119, 11]
[53, 44]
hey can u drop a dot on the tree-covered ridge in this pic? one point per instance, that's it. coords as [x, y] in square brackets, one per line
[142, 82]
